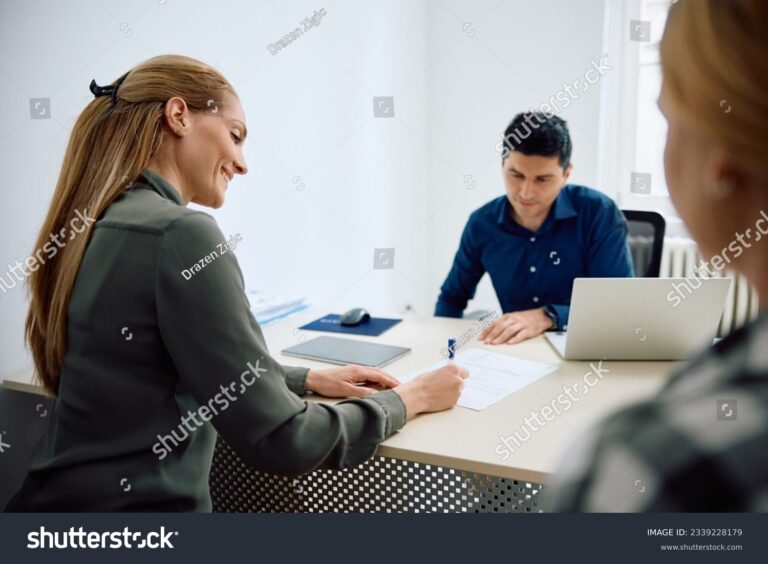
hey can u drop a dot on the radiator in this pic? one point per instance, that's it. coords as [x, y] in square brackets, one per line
[679, 260]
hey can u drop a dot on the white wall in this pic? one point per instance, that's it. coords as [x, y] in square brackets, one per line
[458, 72]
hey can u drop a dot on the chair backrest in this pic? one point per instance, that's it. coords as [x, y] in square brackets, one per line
[24, 419]
[646, 241]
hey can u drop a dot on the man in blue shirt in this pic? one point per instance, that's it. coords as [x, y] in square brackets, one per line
[537, 239]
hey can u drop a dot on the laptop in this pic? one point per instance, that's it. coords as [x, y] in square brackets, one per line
[347, 351]
[641, 318]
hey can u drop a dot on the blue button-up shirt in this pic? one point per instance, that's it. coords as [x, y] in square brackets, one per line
[584, 235]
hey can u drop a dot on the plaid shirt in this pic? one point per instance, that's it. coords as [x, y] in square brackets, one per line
[700, 445]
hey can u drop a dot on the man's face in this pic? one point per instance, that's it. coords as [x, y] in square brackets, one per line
[533, 183]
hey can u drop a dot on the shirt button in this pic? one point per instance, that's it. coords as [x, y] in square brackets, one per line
[535, 299]
[533, 269]
[533, 239]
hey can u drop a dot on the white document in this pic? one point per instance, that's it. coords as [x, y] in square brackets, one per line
[268, 307]
[492, 376]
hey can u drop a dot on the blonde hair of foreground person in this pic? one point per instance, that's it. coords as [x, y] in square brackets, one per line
[108, 148]
[714, 59]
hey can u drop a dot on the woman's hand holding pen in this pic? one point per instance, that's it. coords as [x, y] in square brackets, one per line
[433, 391]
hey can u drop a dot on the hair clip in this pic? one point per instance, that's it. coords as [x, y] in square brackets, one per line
[110, 90]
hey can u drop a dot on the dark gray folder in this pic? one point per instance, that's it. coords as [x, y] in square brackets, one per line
[347, 351]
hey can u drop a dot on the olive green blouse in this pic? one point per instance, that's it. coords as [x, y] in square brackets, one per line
[163, 353]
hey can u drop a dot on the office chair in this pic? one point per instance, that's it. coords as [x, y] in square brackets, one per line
[24, 419]
[646, 241]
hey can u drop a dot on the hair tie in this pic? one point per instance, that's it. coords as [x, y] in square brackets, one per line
[110, 90]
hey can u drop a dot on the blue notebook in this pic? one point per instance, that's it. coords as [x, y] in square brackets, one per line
[331, 323]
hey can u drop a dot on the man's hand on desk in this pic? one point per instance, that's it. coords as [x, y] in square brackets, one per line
[516, 327]
[433, 391]
[351, 381]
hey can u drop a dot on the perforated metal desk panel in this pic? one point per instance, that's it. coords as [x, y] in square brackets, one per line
[379, 485]
[442, 462]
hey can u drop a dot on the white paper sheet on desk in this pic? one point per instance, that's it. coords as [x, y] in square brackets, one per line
[492, 376]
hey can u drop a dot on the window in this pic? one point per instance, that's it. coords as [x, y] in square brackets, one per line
[651, 129]
[632, 127]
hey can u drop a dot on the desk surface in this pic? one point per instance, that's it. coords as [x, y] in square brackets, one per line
[467, 440]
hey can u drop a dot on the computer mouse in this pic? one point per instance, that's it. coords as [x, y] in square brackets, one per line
[355, 316]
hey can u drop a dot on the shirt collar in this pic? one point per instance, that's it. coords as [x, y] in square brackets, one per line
[160, 185]
[561, 209]
[563, 206]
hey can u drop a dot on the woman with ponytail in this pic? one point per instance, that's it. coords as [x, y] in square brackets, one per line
[148, 364]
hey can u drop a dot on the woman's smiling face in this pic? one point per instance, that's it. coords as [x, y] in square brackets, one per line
[206, 148]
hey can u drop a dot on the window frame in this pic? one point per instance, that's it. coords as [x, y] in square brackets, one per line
[619, 113]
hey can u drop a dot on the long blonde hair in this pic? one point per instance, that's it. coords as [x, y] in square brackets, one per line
[109, 147]
[714, 57]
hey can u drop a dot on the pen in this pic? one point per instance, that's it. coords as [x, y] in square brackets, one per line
[451, 349]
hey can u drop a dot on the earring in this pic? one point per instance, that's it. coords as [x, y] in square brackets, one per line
[179, 131]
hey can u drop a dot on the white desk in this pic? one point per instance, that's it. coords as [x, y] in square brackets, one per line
[467, 440]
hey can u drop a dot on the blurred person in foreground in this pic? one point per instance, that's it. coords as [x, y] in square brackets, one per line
[673, 453]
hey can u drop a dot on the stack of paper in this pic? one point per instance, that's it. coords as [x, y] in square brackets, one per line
[492, 376]
[268, 307]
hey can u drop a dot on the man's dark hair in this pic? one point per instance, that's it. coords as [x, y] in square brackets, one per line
[538, 133]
